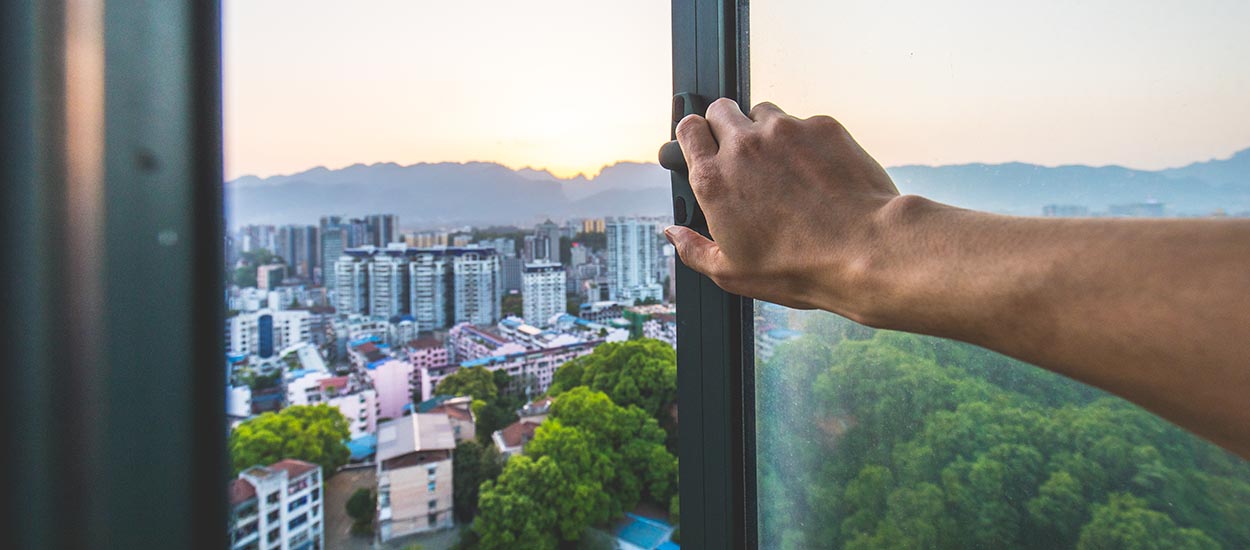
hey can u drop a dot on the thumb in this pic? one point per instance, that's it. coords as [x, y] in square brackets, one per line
[696, 251]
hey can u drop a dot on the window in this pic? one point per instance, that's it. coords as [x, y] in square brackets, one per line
[274, 534]
[298, 521]
[874, 439]
[273, 497]
[431, 486]
[273, 516]
[297, 503]
[315, 494]
[433, 504]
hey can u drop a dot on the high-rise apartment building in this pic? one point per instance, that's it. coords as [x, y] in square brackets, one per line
[333, 242]
[383, 229]
[430, 288]
[298, 246]
[547, 241]
[633, 248]
[542, 292]
[388, 282]
[351, 283]
[510, 268]
[477, 285]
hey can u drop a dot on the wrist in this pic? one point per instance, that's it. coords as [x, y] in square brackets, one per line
[877, 283]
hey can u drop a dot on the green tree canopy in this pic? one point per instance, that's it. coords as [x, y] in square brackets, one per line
[477, 382]
[360, 505]
[1125, 522]
[608, 458]
[312, 433]
[474, 463]
[642, 373]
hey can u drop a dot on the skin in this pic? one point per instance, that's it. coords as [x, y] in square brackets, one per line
[1156, 311]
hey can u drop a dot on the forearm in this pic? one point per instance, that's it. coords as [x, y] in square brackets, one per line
[1156, 311]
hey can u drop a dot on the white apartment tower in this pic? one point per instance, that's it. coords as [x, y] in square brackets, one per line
[477, 282]
[351, 285]
[542, 292]
[429, 287]
[633, 259]
[388, 282]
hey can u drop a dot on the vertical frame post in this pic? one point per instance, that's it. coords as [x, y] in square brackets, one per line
[715, 345]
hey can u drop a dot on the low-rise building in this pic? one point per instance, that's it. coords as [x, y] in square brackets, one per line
[354, 398]
[414, 470]
[511, 440]
[277, 507]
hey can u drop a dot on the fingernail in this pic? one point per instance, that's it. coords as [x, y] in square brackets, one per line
[668, 234]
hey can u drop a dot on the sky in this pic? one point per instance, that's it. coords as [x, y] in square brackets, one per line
[574, 85]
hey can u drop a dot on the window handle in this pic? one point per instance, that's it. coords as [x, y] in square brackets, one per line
[686, 211]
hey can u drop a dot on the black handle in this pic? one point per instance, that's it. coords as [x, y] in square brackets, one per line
[686, 209]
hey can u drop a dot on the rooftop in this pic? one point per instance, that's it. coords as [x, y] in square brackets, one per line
[241, 491]
[518, 433]
[293, 468]
[417, 432]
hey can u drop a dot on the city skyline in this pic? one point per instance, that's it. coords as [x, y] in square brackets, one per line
[316, 84]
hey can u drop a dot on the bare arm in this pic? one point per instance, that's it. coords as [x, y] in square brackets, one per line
[1155, 311]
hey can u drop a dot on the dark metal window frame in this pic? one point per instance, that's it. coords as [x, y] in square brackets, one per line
[715, 337]
[114, 403]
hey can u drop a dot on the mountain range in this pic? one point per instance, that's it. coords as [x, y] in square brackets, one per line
[445, 194]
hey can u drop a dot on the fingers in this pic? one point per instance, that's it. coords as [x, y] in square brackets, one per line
[696, 251]
[695, 137]
[725, 118]
[765, 111]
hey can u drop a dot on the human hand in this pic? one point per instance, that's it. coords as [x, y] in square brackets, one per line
[793, 205]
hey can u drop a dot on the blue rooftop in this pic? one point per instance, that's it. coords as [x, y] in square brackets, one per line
[644, 532]
[669, 545]
[365, 340]
[363, 447]
[432, 402]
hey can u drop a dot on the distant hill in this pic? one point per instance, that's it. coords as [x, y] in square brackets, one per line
[479, 192]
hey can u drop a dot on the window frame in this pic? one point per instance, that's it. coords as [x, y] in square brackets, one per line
[715, 344]
[115, 111]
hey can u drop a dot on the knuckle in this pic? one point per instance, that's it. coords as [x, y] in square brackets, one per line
[688, 124]
[746, 143]
[826, 122]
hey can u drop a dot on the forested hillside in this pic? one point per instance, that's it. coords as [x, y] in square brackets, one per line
[872, 439]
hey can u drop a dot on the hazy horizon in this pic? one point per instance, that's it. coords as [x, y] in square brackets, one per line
[570, 87]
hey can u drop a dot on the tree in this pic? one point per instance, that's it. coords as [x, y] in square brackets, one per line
[591, 460]
[642, 373]
[473, 463]
[312, 433]
[360, 507]
[245, 275]
[477, 382]
[1126, 522]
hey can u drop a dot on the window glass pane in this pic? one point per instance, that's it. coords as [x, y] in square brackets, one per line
[446, 269]
[875, 439]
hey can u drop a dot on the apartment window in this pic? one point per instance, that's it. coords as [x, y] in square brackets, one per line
[274, 534]
[298, 521]
[273, 516]
[433, 504]
[431, 486]
[315, 494]
[273, 497]
[432, 519]
[297, 503]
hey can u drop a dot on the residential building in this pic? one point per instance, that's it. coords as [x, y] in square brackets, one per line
[388, 283]
[459, 411]
[430, 288]
[512, 438]
[333, 243]
[268, 277]
[392, 379]
[547, 241]
[542, 292]
[401, 330]
[265, 332]
[277, 507]
[414, 471]
[466, 341]
[426, 353]
[594, 225]
[601, 311]
[351, 283]
[633, 257]
[383, 229]
[351, 396]
[477, 285]
[297, 245]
